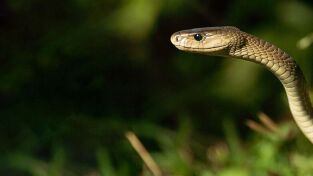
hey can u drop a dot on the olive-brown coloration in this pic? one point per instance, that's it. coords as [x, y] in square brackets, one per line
[230, 41]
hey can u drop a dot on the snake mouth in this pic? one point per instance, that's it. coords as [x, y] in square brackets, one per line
[200, 50]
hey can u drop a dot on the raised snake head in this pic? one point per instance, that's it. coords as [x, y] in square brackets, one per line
[209, 40]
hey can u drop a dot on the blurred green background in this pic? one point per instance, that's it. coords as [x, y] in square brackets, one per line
[77, 74]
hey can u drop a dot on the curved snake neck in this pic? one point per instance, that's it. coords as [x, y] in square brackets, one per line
[230, 41]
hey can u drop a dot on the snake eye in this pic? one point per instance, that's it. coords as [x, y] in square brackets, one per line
[198, 37]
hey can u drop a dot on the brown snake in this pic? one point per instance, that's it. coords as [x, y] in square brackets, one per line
[230, 41]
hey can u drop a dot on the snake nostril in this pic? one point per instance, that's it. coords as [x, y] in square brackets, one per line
[177, 38]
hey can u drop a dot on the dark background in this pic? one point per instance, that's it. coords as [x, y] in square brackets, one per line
[75, 75]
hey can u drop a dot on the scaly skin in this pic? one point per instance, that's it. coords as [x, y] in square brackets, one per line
[230, 41]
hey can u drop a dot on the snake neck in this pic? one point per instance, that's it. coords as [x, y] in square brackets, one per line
[285, 69]
[264, 53]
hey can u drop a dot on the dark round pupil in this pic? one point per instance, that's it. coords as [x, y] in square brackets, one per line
[197, 37]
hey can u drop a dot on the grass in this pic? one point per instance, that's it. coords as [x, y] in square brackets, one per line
[272, 149]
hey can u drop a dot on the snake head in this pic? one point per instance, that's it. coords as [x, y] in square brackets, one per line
[207, 40]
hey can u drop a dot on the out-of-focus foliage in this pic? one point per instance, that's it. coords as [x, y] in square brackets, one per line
[76, 74]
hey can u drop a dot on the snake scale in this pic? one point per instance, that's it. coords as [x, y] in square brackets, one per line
[230, 41]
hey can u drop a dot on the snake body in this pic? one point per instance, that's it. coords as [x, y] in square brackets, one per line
[230, 41]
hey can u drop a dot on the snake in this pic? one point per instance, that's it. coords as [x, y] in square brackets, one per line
[229, 41]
